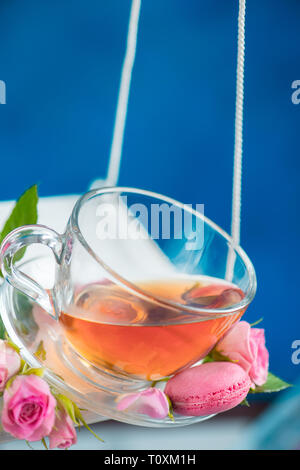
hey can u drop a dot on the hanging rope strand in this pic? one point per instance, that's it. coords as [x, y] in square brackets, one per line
[121, 113]
[238, 141]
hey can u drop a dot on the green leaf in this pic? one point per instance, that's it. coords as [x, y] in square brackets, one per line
[257, 322]
[79, 417]
[25, 322]
[44, 443]
[245, 403]
[165, 379]
[30, 447]
[2, 329]
[273, 384]
[12, 344]
[217, 356]
[170, 413]
[68, 405]
[39, 371]
[23, 213]
[24, 367]
[40, 352]
[10, 381]
[207, 359]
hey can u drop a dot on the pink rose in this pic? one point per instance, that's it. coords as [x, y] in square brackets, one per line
[246, 346]
[28, 408]
[63, 434]
[260, 366]
[152, 402]
[10, 363]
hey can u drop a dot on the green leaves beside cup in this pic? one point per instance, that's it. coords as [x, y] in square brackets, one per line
[23, 213]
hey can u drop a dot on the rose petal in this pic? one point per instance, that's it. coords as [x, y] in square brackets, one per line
[28, 408]
[260, 366]
[236, 345]
[152, 402]
[63, 434]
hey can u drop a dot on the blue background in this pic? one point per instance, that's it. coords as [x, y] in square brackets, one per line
[61, 62]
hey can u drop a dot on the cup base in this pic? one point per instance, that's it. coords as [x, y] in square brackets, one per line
[99, 377]
[92, 389]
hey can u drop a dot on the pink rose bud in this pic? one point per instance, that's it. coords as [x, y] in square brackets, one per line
[152, 402]
[260, 366]
[63, 434]
[10, 363]
[28, 408]
[246, 346]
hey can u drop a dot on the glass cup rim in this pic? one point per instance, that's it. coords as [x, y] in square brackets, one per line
[134, 289]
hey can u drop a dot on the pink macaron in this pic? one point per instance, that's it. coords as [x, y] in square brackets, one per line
[207, 389]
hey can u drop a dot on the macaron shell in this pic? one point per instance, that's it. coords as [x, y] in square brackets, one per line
[207, 389]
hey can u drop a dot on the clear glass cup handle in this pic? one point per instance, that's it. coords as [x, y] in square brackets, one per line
[12, 244]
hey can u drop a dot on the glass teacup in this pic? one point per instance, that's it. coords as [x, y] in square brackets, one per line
[145, 286]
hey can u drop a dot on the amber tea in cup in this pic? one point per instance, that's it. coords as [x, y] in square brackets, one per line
[120, 332]
[142, 284]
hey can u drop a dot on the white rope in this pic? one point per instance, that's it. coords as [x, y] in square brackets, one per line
[238, 143]
[121, 113]
[238, 139]
[118, 134]
[122, 105]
